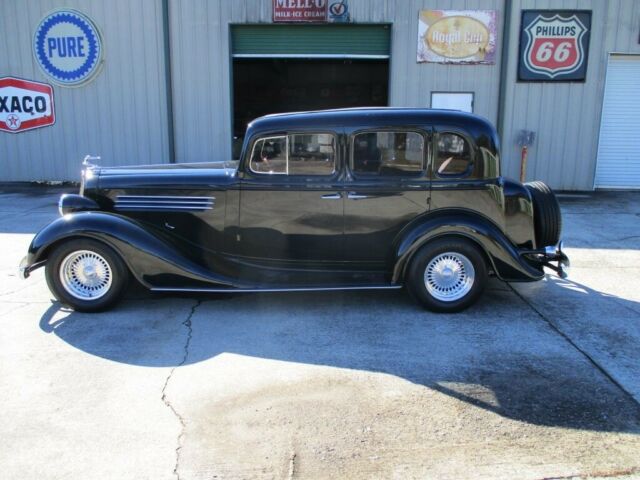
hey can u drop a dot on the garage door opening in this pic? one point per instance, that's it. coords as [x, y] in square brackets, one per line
[284, 68]
[264, 86]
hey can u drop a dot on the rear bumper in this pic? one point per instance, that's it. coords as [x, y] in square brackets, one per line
[551, 257]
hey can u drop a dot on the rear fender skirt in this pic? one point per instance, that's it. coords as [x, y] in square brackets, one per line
[504, 257]
[149, 258]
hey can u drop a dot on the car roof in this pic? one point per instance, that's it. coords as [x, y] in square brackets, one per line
[366, 117]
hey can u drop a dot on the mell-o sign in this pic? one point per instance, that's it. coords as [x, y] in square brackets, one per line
[299, 11]
[554, 45]
[25, 105]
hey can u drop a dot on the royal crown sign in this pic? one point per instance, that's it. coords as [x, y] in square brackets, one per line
[25, 105]
[554, 45]
[457, 36]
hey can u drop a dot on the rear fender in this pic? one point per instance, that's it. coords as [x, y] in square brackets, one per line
[504, 257]
[149, 258]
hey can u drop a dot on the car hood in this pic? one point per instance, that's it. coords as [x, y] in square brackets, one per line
[174, 174]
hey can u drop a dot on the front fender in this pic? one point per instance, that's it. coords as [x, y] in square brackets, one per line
[152, 260]
[504, 256]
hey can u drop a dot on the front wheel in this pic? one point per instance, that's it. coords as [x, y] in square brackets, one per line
[447, 275]
[86, 275]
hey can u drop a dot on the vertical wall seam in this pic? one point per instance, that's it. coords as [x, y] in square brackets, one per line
[168, 81]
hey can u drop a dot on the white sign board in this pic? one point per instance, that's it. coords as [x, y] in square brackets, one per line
[462, 101]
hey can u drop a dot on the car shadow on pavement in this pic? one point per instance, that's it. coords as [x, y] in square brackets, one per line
[499, 355]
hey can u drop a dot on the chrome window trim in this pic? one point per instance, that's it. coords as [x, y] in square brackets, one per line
[263, 139]
[287, 135]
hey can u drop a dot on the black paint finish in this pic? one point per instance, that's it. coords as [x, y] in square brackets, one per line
[221, 226]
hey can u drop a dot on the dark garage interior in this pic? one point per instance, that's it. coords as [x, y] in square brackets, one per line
[273, 85]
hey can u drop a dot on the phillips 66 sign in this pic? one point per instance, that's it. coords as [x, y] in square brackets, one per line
[554, 45]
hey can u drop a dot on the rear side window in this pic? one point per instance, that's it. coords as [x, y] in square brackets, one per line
[296, 154]
[388, 153]
[453, 155]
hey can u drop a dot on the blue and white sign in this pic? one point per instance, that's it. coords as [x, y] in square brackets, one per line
[67, 47]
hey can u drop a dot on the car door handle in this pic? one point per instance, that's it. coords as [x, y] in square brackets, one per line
[332, 196]
[356, 196]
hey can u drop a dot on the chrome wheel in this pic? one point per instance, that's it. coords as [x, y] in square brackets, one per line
[449, 276]
[85, 275]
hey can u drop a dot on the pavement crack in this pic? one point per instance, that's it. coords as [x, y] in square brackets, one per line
[292, 465]
[165, 399]
[620, 474]
[591, 360]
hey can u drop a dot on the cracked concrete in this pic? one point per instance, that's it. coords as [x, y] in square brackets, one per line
[555, 327]
[165, 398]
[528, 384]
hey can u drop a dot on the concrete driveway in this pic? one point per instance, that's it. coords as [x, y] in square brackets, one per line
[536, 381]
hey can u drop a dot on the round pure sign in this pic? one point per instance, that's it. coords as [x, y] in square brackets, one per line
[67, 47]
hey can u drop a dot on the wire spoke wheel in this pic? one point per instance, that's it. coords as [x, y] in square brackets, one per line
[449, 276]
[85, 275]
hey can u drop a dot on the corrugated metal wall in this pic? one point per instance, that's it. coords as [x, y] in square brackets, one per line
[200, 49]
[121, 114]
[565, 116]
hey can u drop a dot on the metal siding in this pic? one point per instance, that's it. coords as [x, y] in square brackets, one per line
[316, 39]
[565, 116]
[619, 146]
[200, 43]
[121, 114]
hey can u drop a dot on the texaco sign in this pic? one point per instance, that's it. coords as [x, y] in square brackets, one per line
[25, 105]
[554, 45]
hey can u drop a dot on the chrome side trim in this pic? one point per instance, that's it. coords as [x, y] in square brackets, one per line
[162, 197]
[163, 202]
[193, 208]
[267, 290]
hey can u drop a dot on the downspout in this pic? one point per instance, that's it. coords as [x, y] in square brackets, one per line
[504, 61]
[168, 80]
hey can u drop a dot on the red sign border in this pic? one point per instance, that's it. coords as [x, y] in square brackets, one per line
[36, 87]
[560, 71]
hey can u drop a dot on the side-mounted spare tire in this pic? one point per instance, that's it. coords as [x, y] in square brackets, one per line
[546, 214]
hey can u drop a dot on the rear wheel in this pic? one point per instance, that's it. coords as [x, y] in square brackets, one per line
[447, 275]
[86, 275]
[546, 214]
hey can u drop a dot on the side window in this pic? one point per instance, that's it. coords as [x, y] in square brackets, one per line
[269, 156]
[388, 153]
[312, 154]
[453, 155]
[299, 154]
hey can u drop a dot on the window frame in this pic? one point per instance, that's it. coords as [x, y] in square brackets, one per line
[263, 139]
[426, 148]
[258, 138]
[472, 153]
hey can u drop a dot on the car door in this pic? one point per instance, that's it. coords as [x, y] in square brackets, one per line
[461, 178]
[386, 188]
[291, 204]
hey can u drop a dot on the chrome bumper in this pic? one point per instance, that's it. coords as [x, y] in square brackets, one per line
[551, 257]
[23, 268]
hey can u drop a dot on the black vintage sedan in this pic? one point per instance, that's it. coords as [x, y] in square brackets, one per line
[370, 198]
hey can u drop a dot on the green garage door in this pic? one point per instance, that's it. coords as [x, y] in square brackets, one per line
[310, 41]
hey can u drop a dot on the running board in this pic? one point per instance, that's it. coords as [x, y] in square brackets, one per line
[266, 290]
